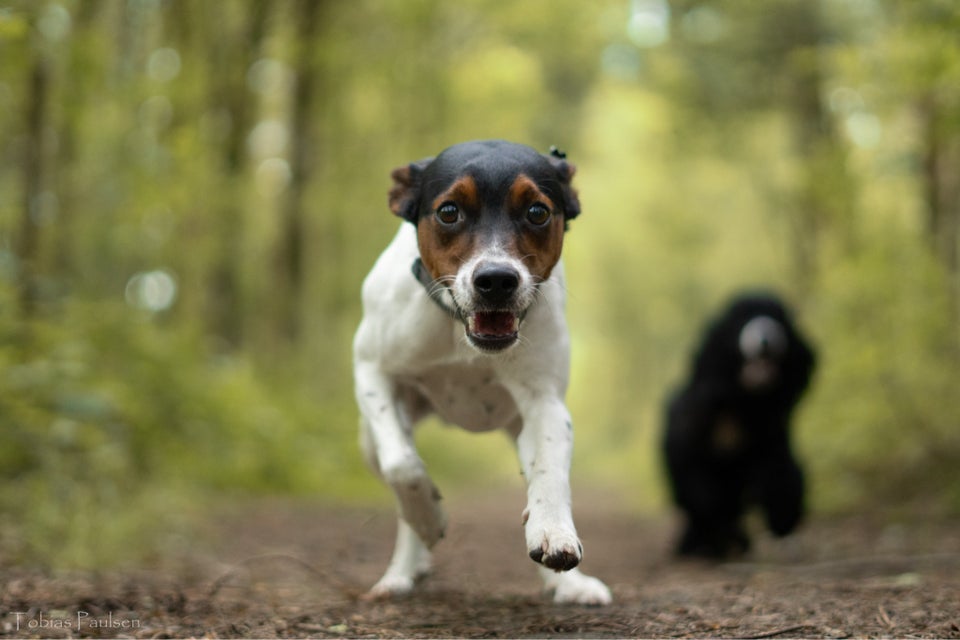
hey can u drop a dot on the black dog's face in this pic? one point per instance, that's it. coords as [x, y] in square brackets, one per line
[763, 344]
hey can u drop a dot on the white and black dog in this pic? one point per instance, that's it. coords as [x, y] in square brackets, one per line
[464, 318]
[727, 440]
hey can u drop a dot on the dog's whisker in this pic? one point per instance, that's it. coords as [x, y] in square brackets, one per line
[438, 285]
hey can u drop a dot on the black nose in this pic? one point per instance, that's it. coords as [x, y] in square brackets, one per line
[496, 283]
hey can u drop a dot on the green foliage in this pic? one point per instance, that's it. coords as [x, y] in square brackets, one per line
[882, 424]
[116, 428]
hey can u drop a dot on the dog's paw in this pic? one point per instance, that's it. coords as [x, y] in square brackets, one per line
[558, 558]
[555, 547]
[411, 563]
[390, 586]
[574, 587]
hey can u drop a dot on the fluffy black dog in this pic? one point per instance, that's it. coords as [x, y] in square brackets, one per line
[727, 441]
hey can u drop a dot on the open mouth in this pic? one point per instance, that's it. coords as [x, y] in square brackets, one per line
[493, 330]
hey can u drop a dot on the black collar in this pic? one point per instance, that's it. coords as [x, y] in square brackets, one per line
[434, 290]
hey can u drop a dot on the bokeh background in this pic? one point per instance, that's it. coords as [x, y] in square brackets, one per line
[191, 193]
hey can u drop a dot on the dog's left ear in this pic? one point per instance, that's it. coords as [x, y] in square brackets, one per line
[404, 195]
[565, 172]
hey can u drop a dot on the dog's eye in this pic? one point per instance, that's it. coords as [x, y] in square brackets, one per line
[448, 213]
[538, 214]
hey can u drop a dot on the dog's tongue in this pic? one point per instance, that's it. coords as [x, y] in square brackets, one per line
[494, 323]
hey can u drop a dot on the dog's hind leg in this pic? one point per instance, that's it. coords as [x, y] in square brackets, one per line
[410, 562]
[575, 587]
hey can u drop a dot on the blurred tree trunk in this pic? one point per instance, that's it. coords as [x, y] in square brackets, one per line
[230, 62]
[290, 253]
[34, 175]
[826, 199]
[68, 139]
[941, 184]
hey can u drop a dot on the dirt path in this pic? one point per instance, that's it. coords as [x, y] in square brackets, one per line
[284, 569]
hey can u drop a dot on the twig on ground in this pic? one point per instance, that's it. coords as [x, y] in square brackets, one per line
[778, 632]
[326, 577]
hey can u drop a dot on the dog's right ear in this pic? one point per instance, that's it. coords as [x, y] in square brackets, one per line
[565, 171]
[404, 195]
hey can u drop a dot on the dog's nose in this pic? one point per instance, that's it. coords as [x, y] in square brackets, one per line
[496, 283]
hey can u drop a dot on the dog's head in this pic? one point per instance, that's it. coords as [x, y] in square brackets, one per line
[756, 345]
[490, 218]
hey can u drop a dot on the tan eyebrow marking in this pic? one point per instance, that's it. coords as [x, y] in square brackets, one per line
[524, 191]
[463, 191]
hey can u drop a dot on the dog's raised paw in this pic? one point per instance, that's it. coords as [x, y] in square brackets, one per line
[558, 561]
[560, 552]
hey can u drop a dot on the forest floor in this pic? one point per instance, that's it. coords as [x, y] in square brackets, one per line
[294, 569]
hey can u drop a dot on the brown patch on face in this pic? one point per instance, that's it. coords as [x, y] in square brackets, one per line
[537, 246]
[463, 192]
[443, 248]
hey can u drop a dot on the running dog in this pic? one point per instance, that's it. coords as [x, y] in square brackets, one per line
[727, 440]
[463, 317]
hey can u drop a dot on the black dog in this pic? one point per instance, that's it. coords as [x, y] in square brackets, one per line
[727, 439]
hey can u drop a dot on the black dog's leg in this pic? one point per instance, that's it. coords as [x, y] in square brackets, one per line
[714, 540]
[781, 492]
[713, 511]
[708, 490]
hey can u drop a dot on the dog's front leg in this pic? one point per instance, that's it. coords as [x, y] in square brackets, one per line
[545, 447]
[387, 438]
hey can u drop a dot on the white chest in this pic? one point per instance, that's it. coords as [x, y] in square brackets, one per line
[470, 397]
